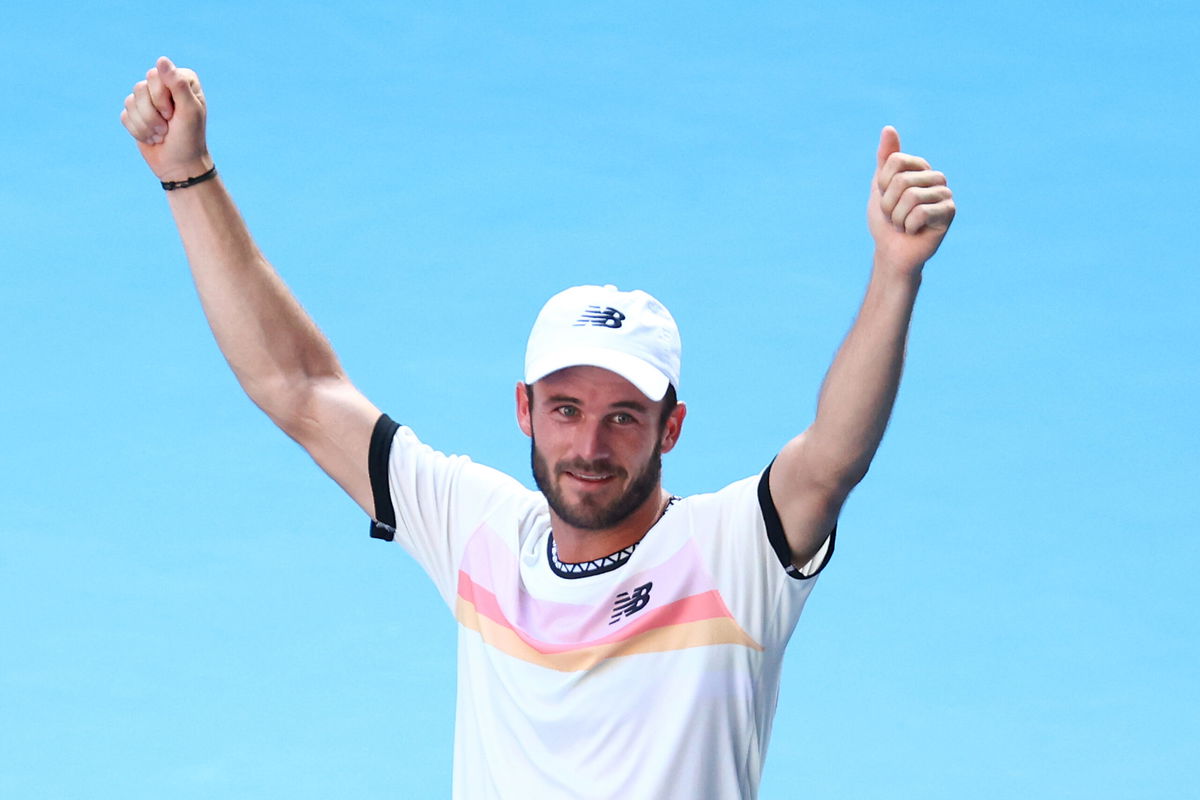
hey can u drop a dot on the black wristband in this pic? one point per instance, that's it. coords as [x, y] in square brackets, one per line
[172, 185]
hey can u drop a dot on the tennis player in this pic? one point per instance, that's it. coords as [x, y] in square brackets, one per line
[614, 640]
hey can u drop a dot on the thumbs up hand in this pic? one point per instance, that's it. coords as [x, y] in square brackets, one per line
[910, 207]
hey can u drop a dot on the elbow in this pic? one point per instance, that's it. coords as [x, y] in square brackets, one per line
[289, 404]
[853, 475]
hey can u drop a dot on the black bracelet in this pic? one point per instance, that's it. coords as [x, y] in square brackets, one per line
[172, 185]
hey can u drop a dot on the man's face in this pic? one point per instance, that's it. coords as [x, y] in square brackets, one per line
[591, 511]
[597, 445]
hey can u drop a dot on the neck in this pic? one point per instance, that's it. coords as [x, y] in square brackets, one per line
[580, 544]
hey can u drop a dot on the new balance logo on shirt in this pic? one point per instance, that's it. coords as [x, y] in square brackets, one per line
[629, 603]
[606, 318]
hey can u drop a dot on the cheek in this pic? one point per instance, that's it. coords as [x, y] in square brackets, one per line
[638, 448]
[548, 446]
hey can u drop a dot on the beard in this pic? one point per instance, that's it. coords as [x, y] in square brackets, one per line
[591, 514]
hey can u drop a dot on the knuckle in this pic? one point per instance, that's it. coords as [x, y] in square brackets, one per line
[908, 197]
[934, 196]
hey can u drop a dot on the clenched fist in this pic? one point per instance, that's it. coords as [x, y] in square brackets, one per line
[910, 207]
[165, 113]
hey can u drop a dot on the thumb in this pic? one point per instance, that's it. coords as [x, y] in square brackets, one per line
[183, 85]
[889, 142]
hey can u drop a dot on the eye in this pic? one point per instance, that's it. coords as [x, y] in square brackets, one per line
[567, 411]
[621, 418]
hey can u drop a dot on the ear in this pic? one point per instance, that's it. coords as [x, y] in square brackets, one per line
[673, 427]
[524, 413]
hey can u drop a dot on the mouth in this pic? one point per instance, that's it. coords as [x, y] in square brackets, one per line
[590, 478]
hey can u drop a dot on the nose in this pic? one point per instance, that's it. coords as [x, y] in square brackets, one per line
[591, 442]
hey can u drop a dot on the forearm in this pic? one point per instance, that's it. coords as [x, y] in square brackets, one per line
[860, 388]
[272, 345]
[909, 209]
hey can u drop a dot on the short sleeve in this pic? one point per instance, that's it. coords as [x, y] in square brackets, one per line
[740, 534]
[431, 502]
[778, 539]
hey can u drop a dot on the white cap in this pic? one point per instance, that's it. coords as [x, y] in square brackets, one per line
[629, 333]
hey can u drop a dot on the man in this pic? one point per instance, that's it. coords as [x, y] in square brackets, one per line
[614, 640]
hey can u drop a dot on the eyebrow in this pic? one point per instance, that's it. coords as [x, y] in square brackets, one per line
[632, 405]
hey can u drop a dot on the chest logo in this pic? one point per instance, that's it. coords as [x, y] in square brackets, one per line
[608, 317]
[629, 603]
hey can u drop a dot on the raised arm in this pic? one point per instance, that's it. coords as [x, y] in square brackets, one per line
[281, 359]
[908, 212]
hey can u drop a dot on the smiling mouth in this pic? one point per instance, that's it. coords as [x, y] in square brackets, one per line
[587, 478]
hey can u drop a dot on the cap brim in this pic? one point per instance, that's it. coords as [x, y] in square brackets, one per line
[647, 379]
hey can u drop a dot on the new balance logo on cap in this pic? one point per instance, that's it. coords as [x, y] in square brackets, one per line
[629, 333]
[608, 318]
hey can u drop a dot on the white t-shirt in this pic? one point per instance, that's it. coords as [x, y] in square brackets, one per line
[653, 675]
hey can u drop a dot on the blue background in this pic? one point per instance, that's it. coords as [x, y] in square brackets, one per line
[190, 609]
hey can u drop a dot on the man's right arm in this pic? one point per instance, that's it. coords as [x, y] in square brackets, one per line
[284, 363]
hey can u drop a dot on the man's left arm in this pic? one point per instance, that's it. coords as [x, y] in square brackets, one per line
[908, 212]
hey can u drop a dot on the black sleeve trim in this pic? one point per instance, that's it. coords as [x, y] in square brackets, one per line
[383, 526]
[775, 534]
